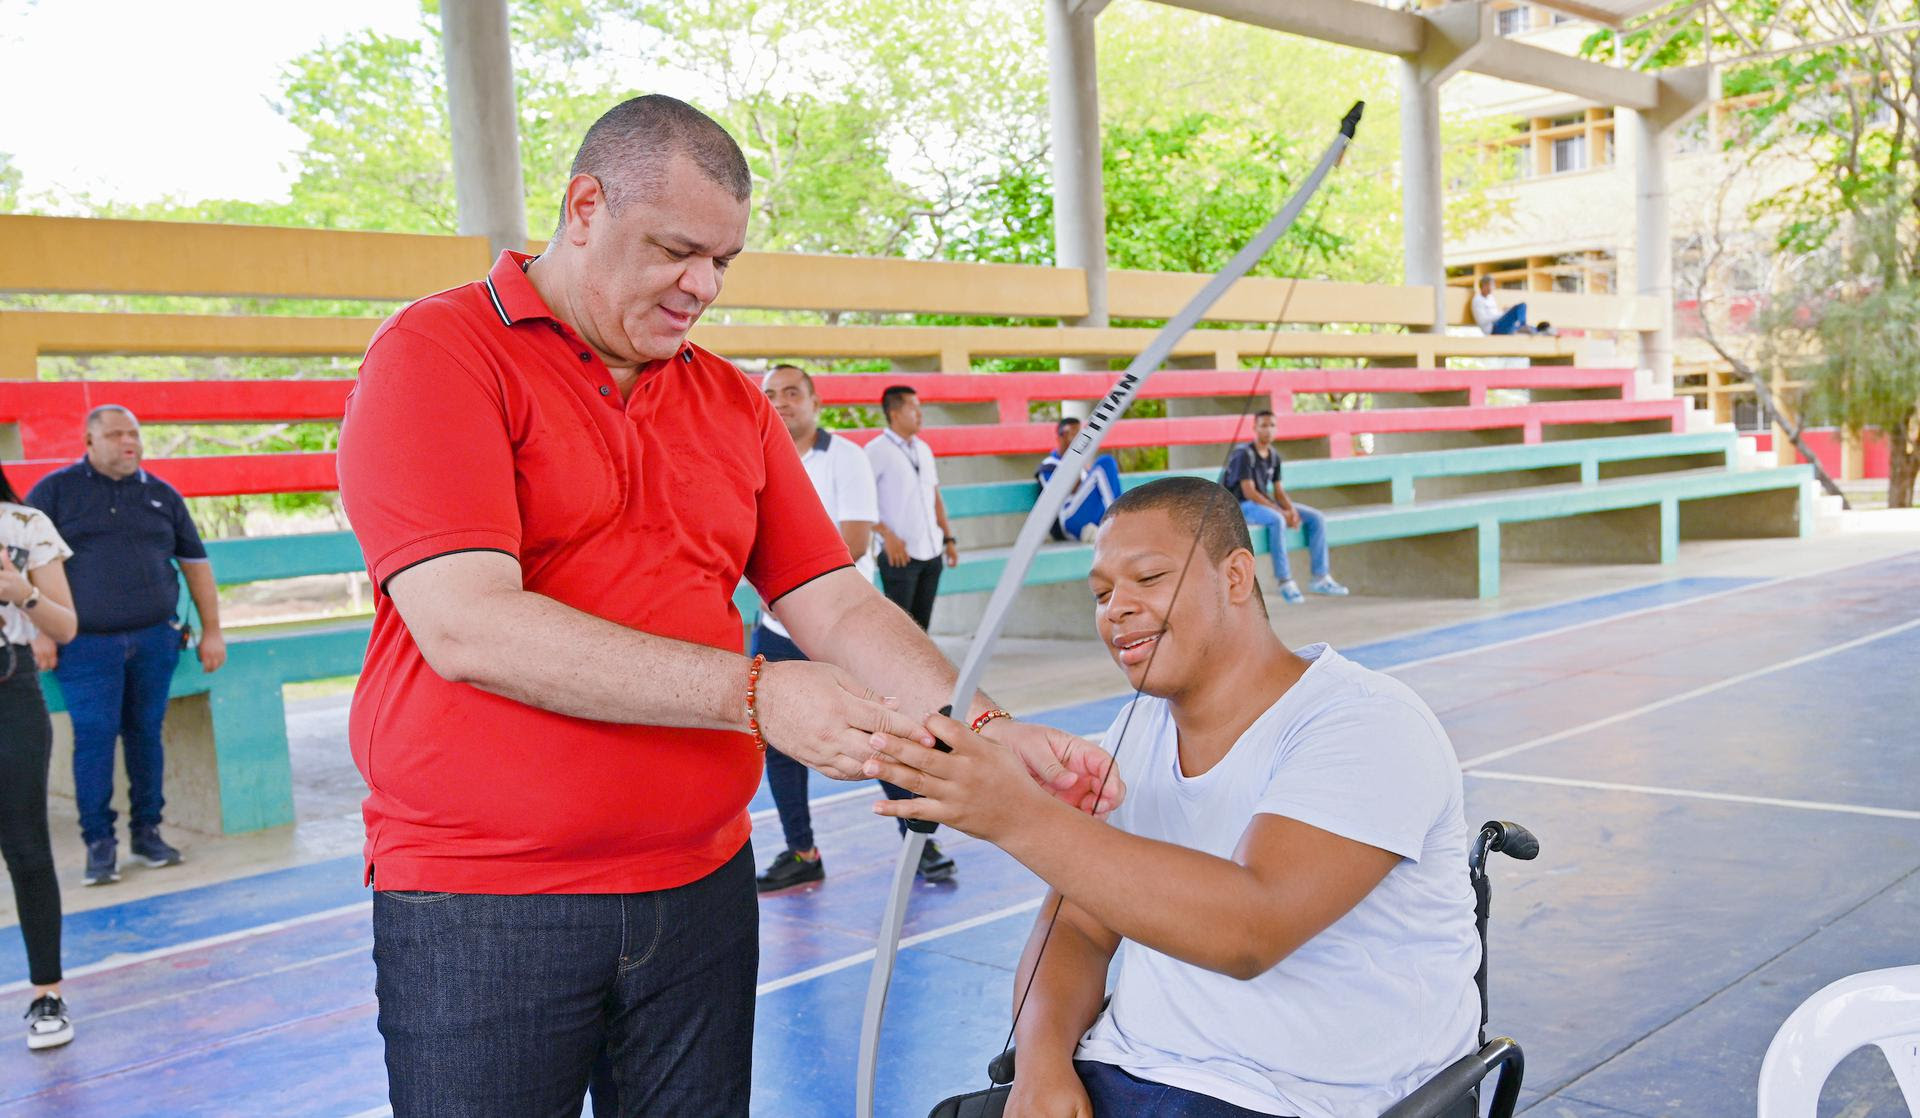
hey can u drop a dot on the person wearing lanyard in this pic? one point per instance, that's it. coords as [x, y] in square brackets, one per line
[913, 530]
[844, 480]
[34, 602]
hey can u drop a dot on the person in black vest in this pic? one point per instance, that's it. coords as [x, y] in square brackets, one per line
[1253, 477]
[127, 530]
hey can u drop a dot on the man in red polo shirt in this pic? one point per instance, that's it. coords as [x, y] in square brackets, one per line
[557, 495]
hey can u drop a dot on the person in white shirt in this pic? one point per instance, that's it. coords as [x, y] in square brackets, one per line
[913, 529]
[1283, 891]
[843, 477]
[1491, 320]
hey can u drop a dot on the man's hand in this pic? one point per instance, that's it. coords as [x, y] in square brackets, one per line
[1074, 769]
[1290, 515]
[46, 654]
[819, 716]
[1048, 1090]
[952, 551]
[981, 787]
[213, 651]
[895, 547]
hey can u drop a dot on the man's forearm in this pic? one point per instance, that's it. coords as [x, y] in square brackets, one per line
[204, 592]
[1065, 996]
[549, 655]
[881, 647]
[1200, 909]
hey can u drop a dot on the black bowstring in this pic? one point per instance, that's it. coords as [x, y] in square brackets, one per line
[1246, 409]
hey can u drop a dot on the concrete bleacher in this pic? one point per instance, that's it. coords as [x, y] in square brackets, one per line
[1555, 459]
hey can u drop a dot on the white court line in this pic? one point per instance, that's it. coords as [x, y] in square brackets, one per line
[115, 962]
[1684, 696]
[1690, 794]
[866, 956]
[823, 801]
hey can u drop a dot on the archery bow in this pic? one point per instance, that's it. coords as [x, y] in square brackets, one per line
[1027, 545]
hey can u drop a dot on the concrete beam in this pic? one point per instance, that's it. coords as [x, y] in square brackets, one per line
[1079, 192]
[1355, 23]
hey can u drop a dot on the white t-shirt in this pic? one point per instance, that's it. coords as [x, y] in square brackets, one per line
[844, 480]
[904, 471]
[1486, 312]
[31, 541]
[1381, 1000]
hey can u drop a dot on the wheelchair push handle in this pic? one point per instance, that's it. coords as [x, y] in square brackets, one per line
[1507, 838]
[925, 826]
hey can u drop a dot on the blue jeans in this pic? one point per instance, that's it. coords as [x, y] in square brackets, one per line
[786, 777]
[1514, 318]
[519, 1005]
[1114, 1092]
[116, 687]
[1312, 525]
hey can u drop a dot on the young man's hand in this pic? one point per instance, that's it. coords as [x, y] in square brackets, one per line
[1291, 515]
[982, 788]
[895, 547]
[46, 654]
[1074, 769]
[952, 552]
[1050, 1090]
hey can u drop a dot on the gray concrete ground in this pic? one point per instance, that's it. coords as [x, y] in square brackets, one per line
[1024, 675]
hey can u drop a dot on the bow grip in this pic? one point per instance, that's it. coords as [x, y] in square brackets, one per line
[928, 826]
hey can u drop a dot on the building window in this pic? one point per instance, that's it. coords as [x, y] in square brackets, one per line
[1512, 21]
[1569, 154]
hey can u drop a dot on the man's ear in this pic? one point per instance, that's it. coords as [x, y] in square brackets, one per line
[586, 203]
[1243, 579]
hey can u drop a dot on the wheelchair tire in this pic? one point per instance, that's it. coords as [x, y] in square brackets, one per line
[990, 1103]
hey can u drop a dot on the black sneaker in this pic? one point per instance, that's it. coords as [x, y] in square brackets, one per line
[152, 850]
[103, 862]
[47, 1024]
[935, 865]
[789, 869]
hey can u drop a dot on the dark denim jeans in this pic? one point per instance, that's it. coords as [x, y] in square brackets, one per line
[1116, 1094]
[26, 747]
[515, 1005]
[116, 687]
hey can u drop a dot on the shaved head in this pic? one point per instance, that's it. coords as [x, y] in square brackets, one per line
[1199, 507]
[628, 150]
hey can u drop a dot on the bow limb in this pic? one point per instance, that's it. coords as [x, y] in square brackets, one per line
[1027, 545]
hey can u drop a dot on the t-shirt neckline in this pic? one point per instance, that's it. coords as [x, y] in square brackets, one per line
[1315, 654]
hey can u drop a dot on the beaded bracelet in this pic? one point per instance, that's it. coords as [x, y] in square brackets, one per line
[987, 716]
[753, 702]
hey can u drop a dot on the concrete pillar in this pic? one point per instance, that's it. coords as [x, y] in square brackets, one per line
[1421, 184]
[1079, 195]
[488, 189]
[1651, 147]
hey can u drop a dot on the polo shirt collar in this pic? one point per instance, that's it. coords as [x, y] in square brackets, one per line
[515, 300]
[86, 464]
[512, 293]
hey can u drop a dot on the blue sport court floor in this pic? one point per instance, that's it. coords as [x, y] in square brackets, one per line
[1721, 772]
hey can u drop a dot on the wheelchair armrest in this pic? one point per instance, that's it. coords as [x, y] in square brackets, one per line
[1442, 1095]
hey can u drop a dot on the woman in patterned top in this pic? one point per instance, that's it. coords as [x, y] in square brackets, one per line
[33, 599]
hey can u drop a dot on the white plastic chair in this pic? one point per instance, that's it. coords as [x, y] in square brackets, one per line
[1880, 1007]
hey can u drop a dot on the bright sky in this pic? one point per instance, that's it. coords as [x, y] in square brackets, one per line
[137, 99]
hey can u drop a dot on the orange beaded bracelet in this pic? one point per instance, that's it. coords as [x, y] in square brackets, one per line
[987, 716]
[753, 702]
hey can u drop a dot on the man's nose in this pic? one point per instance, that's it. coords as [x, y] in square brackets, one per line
[701, 280]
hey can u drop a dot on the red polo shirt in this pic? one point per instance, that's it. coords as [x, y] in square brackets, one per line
[481, 422]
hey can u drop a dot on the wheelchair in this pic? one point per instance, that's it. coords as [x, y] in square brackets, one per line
[1453, 1093]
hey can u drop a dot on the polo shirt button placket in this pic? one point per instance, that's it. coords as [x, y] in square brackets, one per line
[606, 390]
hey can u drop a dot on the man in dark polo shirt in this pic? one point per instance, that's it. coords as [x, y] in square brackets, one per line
[127, 529]
[557, 496]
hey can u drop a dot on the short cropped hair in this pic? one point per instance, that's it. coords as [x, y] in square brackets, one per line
[894, 396]
[629, 147]
[100, 412]
[804, 378]
[1060, 428]
[1200, 507]
[1263, 413]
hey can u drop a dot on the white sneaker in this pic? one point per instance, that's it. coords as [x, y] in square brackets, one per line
[1325, 585]
[1290, 593]
[47, 1023]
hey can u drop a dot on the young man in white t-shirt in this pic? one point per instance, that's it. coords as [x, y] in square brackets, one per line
[843, 477]
[1284, 887]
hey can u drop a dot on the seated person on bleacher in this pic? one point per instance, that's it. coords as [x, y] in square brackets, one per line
[1098, 486]
[1283, 889]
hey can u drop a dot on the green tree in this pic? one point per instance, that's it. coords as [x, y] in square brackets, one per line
[9, 184]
